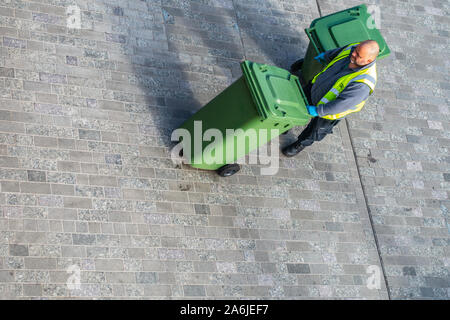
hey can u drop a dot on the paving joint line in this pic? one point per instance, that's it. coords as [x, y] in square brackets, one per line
[239, 29]
[347, 129]
[318, 8]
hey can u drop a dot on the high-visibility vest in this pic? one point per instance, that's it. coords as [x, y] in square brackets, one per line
[367, 76]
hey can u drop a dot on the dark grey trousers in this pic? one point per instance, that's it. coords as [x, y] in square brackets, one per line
[317, 128]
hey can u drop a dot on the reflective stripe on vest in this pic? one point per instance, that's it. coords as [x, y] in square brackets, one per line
[367, 76]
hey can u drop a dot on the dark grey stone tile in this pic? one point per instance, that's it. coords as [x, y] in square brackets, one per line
[18, 250]
[298, 268]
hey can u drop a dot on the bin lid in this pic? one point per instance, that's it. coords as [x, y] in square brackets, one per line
[344, 27]
[277, 93]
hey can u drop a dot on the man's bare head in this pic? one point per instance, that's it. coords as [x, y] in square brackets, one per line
[366, 52]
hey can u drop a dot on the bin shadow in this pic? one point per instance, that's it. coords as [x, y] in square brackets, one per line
[188, 51]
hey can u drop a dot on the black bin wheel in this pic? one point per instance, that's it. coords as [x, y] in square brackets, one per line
[297, 65]
[228, 170]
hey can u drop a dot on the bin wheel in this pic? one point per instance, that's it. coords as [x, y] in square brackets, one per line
[228, 170]
[297, 65]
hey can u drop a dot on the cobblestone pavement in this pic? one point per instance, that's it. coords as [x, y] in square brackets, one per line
[88, 189]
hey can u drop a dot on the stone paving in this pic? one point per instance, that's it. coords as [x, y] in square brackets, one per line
[88, 189]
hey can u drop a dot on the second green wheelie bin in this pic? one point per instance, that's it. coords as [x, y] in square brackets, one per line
[264, 97]
[336, 30]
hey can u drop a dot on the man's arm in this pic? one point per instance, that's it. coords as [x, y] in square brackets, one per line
[352, 95]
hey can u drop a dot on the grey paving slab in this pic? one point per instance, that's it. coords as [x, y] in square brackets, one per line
[401, 147]
[89, 192]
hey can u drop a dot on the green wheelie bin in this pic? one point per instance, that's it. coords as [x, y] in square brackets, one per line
[263, 98]
[337, 30]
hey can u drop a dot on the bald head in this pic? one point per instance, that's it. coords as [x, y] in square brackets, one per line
[366, 52]
[371, 47]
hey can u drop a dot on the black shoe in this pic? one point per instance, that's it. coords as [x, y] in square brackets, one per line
[292, 149]
[297, 65]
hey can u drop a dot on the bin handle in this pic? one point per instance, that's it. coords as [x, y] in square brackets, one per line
[252, 85]
[311, 40]
[354, 11]
[299, 85]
